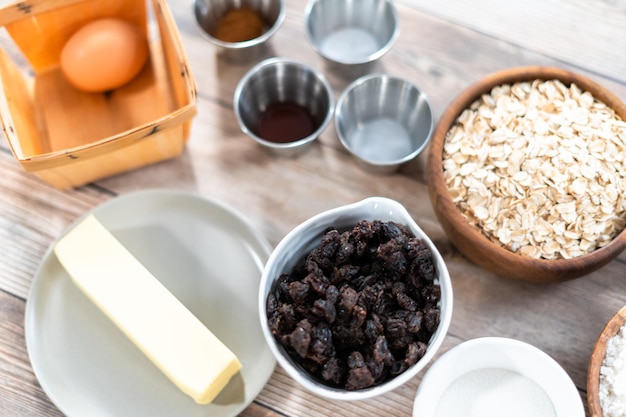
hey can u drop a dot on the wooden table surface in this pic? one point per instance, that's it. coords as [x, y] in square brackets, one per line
[444, 46]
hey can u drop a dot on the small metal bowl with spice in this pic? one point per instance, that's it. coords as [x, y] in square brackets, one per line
[284, 105]
[495, 376]
[239, 29]
[356, 300]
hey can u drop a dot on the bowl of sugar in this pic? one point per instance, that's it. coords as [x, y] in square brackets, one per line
[496, 376]
[383, 121]
[351, 35]
[607, 370]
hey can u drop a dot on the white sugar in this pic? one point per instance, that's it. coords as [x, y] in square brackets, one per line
[349, 44]
[613, 377]
[381, 140]
[494, 392]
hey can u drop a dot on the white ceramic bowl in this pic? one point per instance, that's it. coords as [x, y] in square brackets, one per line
[301, 240]
[501, 354]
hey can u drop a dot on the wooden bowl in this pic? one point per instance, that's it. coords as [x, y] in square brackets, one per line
[468, 239]
[69, 137]
[597, 357]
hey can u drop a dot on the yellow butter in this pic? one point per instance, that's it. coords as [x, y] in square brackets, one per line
[156, 321]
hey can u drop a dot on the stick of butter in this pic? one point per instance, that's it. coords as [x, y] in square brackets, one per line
[158, 323]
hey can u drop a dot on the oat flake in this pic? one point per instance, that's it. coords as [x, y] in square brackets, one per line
[539, 150]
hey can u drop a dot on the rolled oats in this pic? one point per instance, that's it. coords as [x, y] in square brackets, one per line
[540, 168]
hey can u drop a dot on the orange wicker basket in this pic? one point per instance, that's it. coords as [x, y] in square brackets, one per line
[68, 137]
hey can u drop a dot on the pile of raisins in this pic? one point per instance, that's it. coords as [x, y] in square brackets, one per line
[360, 308]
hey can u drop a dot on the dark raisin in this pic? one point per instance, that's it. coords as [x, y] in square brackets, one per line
[325, 310]
[333, 371]
[360, 308]
[299, 291]
[300, 338]
[381, 352]
[414, 353]
[359, 375]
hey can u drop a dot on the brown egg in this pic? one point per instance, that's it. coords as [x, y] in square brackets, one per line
[103, 55]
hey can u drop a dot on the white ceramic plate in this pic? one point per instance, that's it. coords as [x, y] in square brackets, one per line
[208, 256]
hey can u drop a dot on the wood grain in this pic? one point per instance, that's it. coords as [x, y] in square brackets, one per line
[568, 31]
[21, 393]
[443, 47]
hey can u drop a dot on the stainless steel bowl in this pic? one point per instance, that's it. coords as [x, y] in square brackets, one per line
[283, 82]
[209, 12]
[383, 121]
[351, 32]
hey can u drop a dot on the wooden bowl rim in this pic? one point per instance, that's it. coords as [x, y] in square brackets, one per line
[554, 270]
[612, 327]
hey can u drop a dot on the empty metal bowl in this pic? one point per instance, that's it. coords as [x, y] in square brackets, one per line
[351, 32]
[239, 29]
[283, 105]
[383, 121]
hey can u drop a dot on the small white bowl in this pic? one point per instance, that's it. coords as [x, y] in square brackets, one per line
[301, 240]
[501, 354]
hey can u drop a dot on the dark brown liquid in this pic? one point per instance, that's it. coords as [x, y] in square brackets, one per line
[285, 122]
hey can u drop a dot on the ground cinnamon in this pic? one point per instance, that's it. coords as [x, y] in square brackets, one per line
[239, 25]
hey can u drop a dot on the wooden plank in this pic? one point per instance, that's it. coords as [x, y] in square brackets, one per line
[20, 392]
[32, 215]
[580, 33]
[258, 410]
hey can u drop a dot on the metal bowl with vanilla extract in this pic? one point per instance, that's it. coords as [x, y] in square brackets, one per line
[468, 237]
[283, 105]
